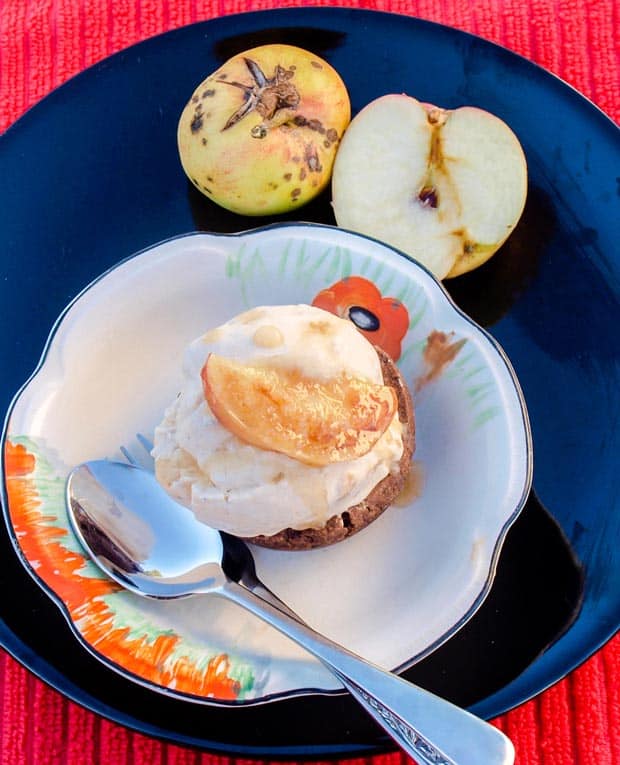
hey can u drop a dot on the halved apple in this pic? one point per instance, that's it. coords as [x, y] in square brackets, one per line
[446, 187]
[314, 422]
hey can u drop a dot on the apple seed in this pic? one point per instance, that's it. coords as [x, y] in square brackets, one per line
[428, 196]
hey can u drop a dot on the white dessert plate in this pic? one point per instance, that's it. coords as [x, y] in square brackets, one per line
[393, 592]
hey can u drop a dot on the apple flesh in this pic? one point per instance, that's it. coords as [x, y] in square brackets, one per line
[259, 135]
[445, 187]
[314, 422]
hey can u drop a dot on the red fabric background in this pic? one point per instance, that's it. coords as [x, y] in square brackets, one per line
[42, 44]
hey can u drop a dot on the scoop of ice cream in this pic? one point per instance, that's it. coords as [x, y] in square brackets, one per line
[248, 491]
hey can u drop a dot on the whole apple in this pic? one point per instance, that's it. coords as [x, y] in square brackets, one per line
[259, 135]
[446, 187]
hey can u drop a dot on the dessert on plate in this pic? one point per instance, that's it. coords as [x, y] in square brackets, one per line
[291, 430]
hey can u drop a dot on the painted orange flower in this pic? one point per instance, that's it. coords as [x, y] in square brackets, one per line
[383, 320]
[158, 658]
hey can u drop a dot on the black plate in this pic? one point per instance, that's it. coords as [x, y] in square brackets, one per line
[91, 175]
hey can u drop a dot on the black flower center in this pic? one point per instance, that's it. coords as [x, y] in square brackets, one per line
[363, 318]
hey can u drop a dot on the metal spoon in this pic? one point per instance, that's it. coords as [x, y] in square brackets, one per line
[154, 547]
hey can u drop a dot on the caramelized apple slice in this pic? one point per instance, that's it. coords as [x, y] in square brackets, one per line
[311, 421]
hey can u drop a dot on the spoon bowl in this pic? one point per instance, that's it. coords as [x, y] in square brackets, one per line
[165, 553]
[149, 544]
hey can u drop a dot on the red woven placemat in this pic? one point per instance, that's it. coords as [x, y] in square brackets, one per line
[43, 43]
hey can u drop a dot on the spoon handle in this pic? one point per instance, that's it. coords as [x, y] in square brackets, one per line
[431, 730]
